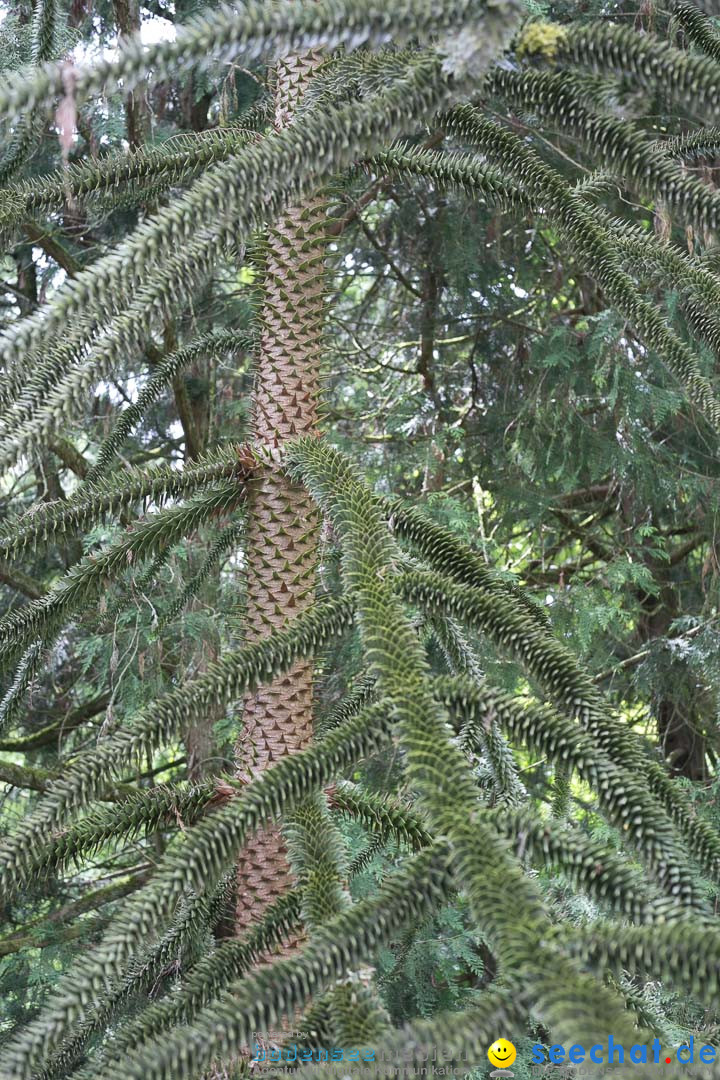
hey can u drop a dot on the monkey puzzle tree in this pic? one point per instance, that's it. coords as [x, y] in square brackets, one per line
[282, 521]
[402, 577]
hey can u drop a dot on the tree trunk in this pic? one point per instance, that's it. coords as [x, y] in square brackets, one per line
[137, 119]
[283, 523]
[677, 702]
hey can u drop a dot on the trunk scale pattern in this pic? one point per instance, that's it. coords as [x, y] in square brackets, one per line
[283, 522]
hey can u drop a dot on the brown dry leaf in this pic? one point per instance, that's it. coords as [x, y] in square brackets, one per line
[246, 457]
[179, 820]
[223, 793]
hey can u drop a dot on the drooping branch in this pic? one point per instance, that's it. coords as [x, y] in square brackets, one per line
[592, 245]
[435, 766]
[96, 500]
[175, 949]
[223, 681]
[251, 1003]
[177, 161]
[251, 187]
[45, 617]
[256, 32]
[623, 148]
[199, 862]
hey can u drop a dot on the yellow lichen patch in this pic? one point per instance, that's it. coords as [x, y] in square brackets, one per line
[541, 39]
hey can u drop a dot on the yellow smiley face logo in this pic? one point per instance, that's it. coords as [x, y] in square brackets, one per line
[501, 1053]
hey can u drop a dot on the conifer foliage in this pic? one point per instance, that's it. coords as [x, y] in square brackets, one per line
[419, 90]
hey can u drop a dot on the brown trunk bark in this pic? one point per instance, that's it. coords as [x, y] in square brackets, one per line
[677, 702]
[681, 738]
[282, 520]
[137, 120]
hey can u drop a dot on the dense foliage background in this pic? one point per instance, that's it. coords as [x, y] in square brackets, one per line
[471, 368]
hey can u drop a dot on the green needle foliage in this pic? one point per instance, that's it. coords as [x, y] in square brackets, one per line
[439, 97]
